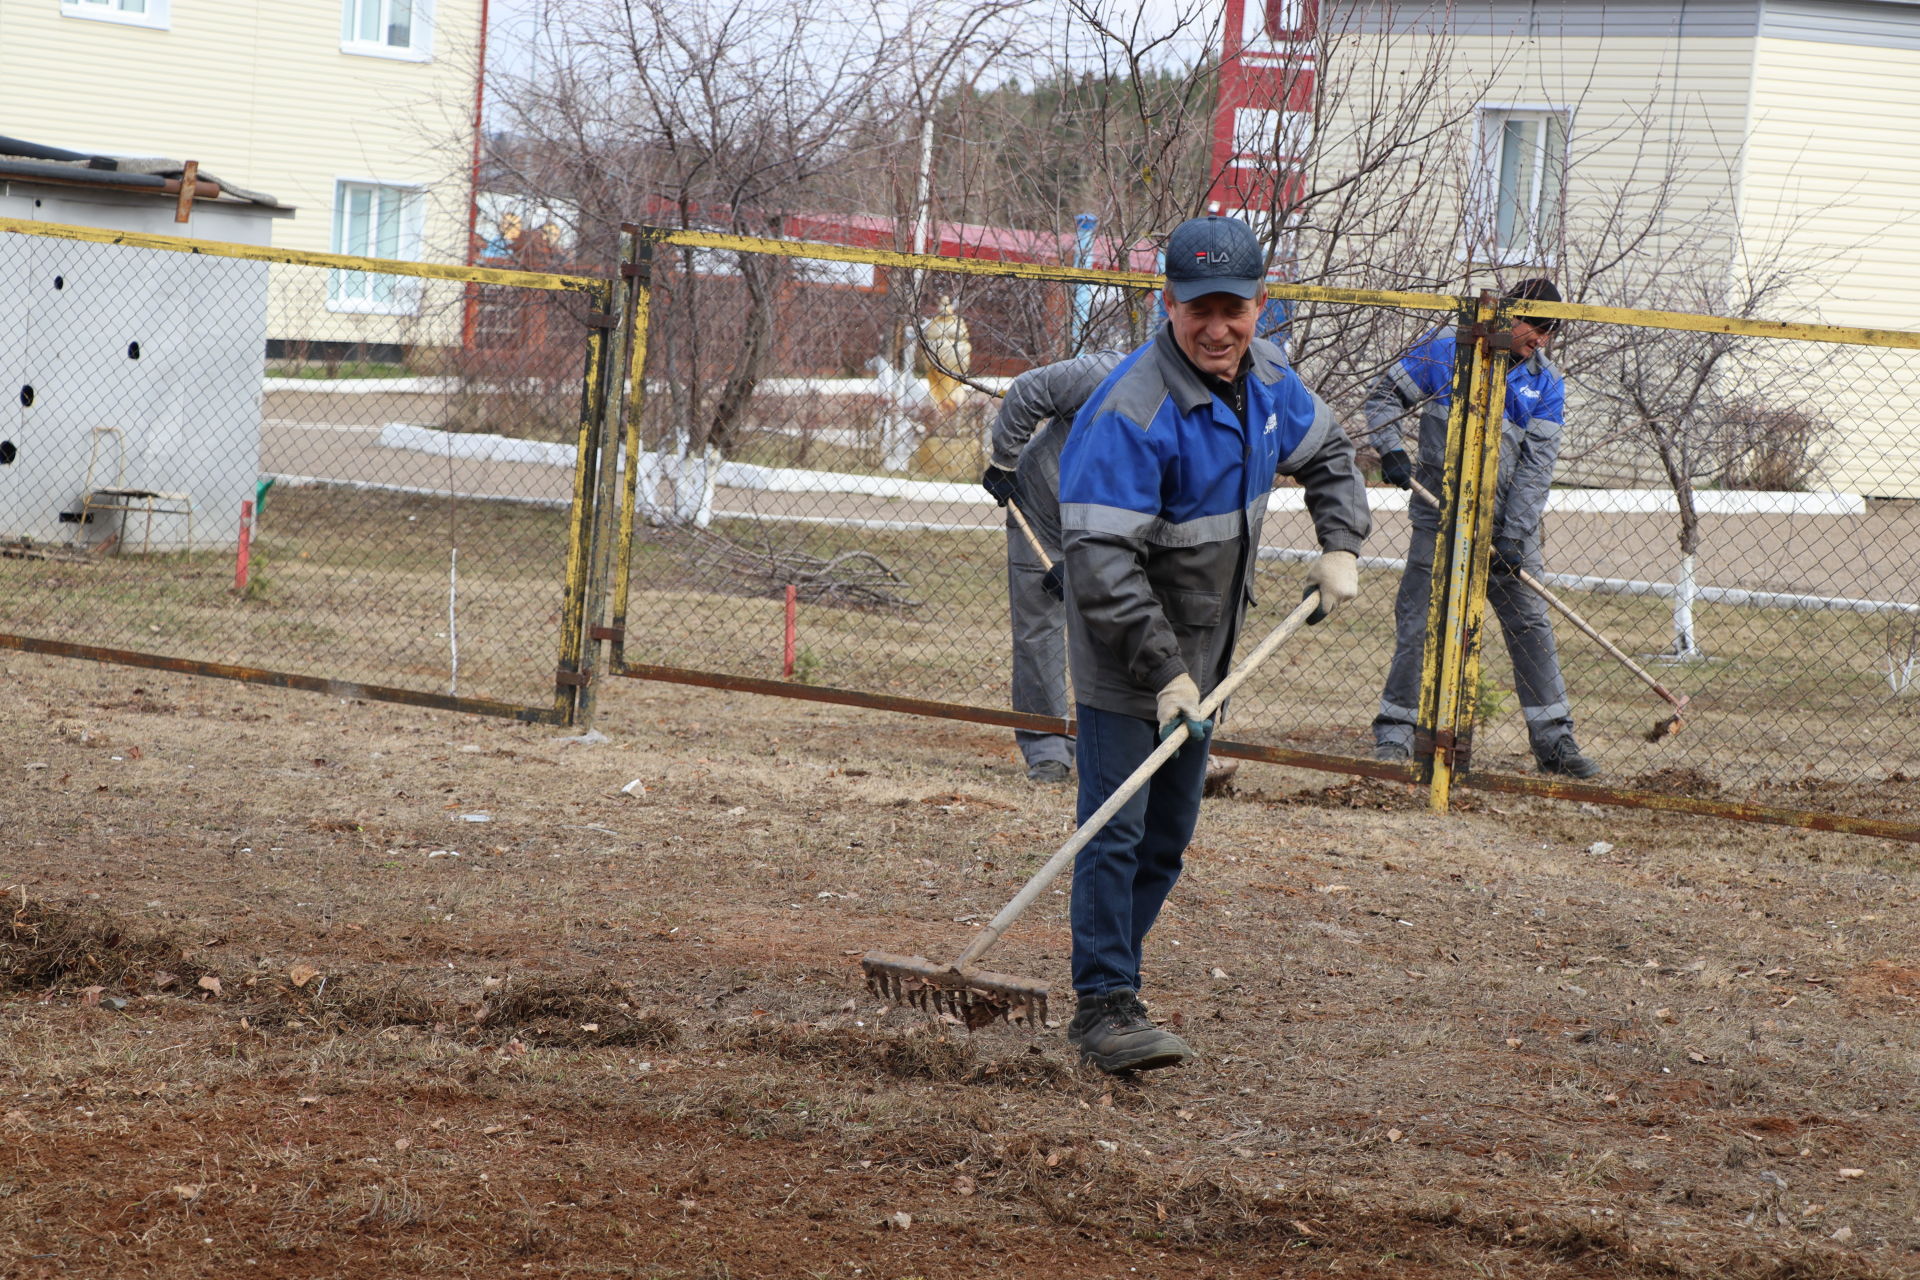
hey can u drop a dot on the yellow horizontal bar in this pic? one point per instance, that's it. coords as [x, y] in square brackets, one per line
[911, 261]
[298, 257]
[1696, 323]
[1368, 297]
[1025, 270]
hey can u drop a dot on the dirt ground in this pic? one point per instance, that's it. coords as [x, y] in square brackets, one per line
[275, 1000]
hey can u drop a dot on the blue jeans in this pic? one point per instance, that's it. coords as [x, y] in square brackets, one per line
[1126, 871]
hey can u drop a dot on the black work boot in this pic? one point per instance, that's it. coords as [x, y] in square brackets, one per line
[1563, 756]
[1113, 1032]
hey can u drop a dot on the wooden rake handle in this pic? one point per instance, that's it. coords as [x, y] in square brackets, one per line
[1539, 588]
[1135, 780]
[1033, 539]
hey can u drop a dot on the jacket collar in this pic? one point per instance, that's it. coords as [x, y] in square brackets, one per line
[1189, 387]
[1182, 380]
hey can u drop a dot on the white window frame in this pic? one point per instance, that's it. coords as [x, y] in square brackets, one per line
[349, 291]
[155, 15]
[1540, 204]
[419, 46]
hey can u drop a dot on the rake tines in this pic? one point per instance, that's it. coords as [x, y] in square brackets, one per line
[974, 996]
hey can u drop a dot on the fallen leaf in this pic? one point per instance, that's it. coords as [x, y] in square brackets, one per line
[1665, 1015]
[1843, 1236]
[1512, 1043]
[310, 1101]
[164, 980]
[90, 995]
[1219, 973]
[1394, 1135]
[589, 1026]
[1694, 1055]
[210, 983]
[899, 1221]
[401, 1144]
[188, 1190]
[1853, 1173]
[301, 974]
[963, 1185]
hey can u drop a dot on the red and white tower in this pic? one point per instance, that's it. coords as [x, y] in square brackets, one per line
[1263, 126]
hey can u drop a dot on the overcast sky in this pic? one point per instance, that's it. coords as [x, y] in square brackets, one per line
[514, 22]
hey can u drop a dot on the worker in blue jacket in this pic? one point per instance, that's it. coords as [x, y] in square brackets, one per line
[1164, 483]
[1420, 386]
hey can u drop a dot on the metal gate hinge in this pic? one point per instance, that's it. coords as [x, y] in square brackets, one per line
[616, 634]
[578, 679]
[600, 320]
[1444, 745]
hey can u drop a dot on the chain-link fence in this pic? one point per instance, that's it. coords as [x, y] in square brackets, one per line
[354, 475]
[811, 429]
[321, 472]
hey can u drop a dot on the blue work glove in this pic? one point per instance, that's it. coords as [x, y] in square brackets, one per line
[1396, 468]
[1509, 554]
[1050, 582]
[1179, 703]
[998, 482]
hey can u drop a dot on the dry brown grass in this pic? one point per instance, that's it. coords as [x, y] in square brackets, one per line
[1470, 1045]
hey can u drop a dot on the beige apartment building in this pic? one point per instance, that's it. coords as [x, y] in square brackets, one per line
[357, 113]
[1689, 139]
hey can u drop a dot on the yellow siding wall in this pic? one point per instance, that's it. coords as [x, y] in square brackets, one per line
[1830, 190]
[260, 93]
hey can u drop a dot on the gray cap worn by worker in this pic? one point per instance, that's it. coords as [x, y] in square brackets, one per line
[1215, 255]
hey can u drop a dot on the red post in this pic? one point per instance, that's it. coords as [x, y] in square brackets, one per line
[793, 611]
[246, 544]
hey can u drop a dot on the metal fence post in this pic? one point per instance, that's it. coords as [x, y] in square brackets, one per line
[616, 299]
[1458, 600]
[575, 671]
[637, 271]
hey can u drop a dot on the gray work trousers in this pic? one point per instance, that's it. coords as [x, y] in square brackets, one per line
[1039, 652]
[1524, 622]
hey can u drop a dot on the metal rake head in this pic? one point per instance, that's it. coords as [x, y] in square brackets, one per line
[975, 996]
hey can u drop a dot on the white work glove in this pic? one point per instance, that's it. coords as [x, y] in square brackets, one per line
[1336, 576]
[1179, 703]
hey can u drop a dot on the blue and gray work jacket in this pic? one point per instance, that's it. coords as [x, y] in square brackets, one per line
[1163, 490]
[1532, 425]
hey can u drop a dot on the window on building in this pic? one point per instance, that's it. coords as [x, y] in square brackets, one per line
[387, 28]
[132, 13]
[371, 220]
[1523, 179]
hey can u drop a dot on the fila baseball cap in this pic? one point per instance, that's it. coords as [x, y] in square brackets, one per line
[1215, 255]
